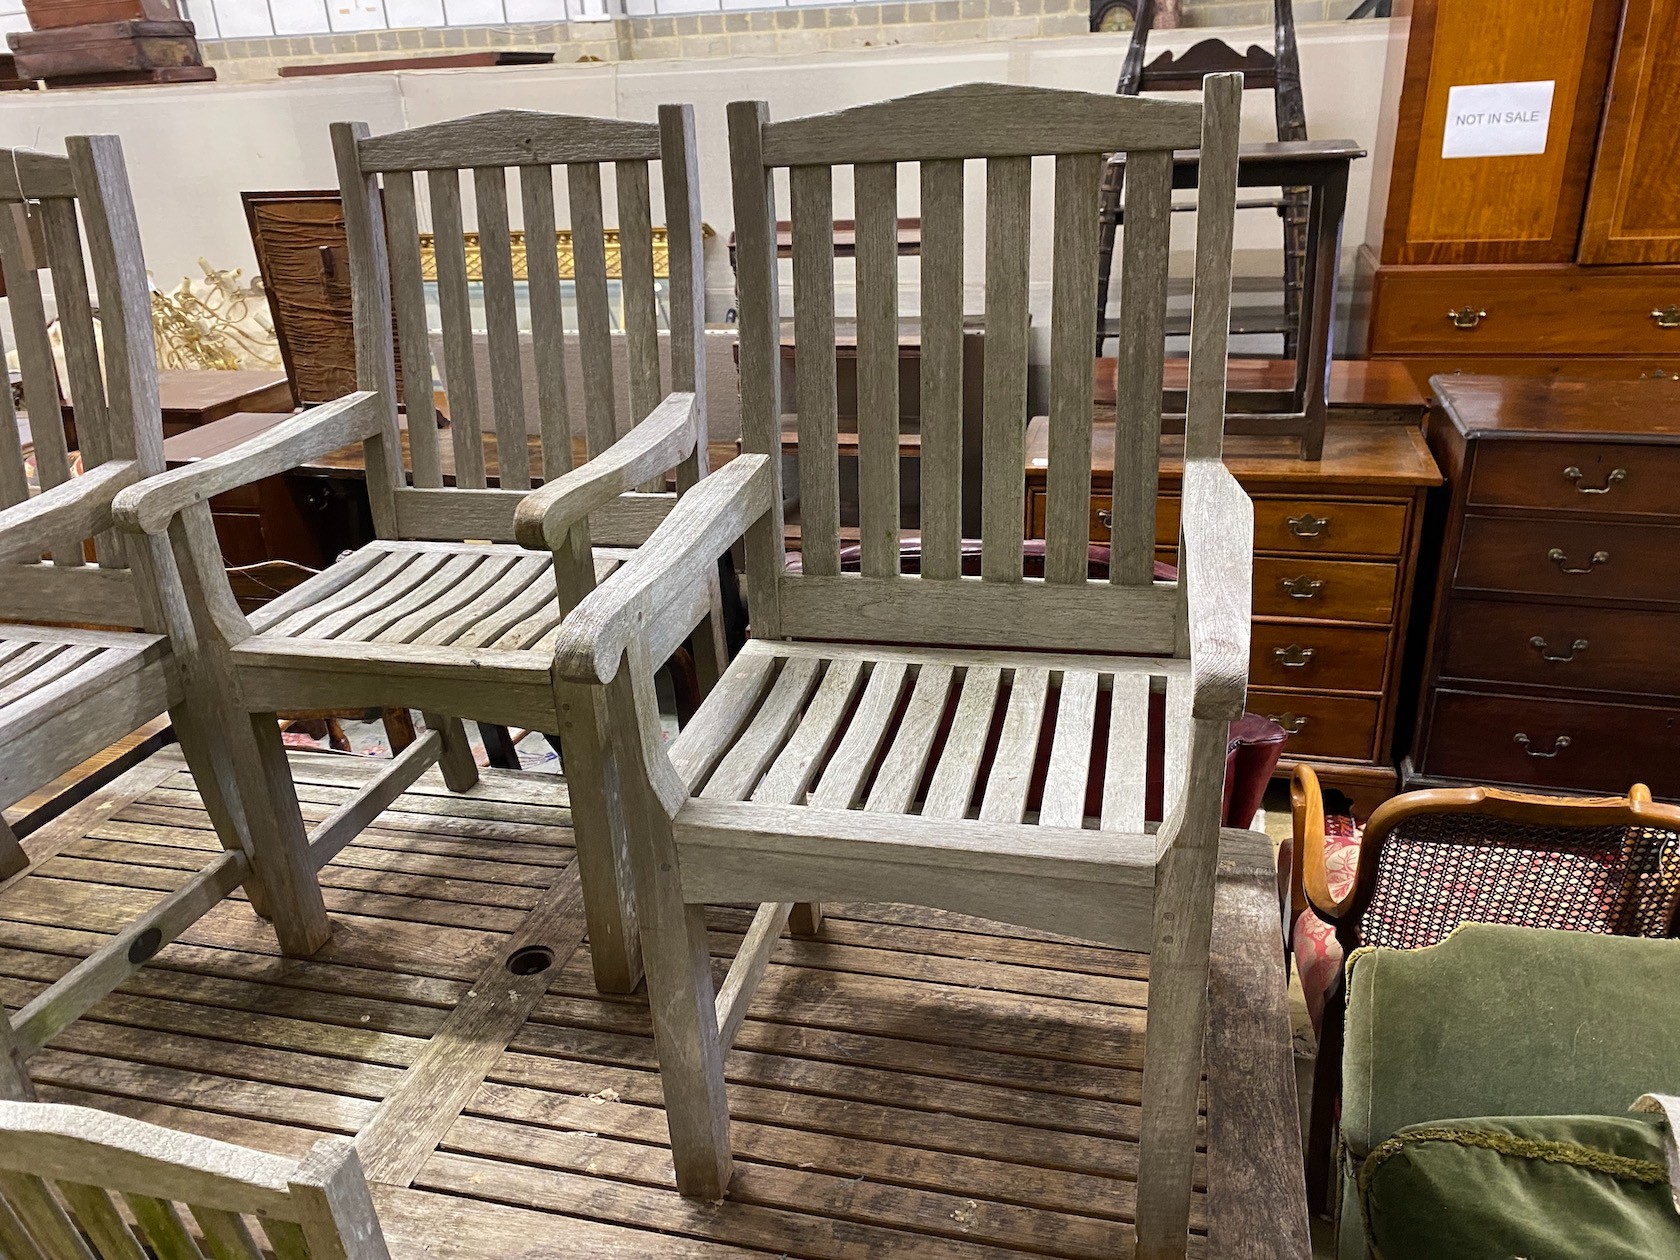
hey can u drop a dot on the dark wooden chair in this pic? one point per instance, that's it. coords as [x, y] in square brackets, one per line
[1429, 861]
[1280, 71]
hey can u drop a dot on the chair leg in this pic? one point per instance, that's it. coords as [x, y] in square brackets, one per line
[12, 857]
[1323, 1190]
[806, 919]
[609, 904]
[282, 869]
[215, 778]
[14, 1076]
[1178, 983]
[460, 771]
[676, 952]
[499, 747]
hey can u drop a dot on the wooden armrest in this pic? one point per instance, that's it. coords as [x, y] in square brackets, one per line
[654, 447]
[78, 508]
[1218, 527]
[149, 507]
[1310, 880]
[684, 550]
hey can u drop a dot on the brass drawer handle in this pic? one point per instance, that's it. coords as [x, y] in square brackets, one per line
[1303, 587]
[1466, 317]
[1538, 643]
[1105, 518]
[1558, 745]
[1294, 656]
[1559, 557]
[1573, 473]
[1291, 722]
[1667, 316]
[1308, 525]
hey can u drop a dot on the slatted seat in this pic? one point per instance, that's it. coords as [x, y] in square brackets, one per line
[878, 737]
[66, 694]
[445, 613]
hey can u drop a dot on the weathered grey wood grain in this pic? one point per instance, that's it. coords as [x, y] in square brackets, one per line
[856, 755]
[511, 137]
[501, 316]
[460, 379]
[959, 764]
[594, 322]
[875, 190]
[548, 325]
[1008, 249]
[1070, 751]
[408, 295]
[942, 349]
[811, 192]
[1072, 330]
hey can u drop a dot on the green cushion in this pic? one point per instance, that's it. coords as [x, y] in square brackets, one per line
[1507, 1021]
[1540, 1188]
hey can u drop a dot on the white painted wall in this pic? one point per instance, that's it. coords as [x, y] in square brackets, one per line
[192, 149]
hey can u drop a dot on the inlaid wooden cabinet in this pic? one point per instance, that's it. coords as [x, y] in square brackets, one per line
[1551, 658]
[1566, 252]
[1336, 545]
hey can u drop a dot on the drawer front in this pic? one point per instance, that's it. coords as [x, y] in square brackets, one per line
[1585, 560]
[1525, 310]
[1565, 744]
[1321, 726]
[1334, 590]
[1305, 526]
[1577, 477]
[1334, 658]
[1601, 649]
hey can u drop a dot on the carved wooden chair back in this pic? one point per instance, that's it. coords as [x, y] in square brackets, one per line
[112, 387]
[72, 1178]
[1006, 127]
[377, 175]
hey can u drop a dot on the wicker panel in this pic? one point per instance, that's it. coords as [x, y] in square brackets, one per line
[1439, 870]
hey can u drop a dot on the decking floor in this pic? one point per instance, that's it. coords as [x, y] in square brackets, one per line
[911, 1083]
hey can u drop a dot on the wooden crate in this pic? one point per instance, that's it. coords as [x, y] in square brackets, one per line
[48, 15]
[105, 48]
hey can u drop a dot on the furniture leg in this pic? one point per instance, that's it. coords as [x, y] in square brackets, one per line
[806, 919]
[285, 876]
[12, 857]
[399, 728]
[678, 958]
[499, 745]
[598, 823]
[14, 1076]
[1178, 979]
[213, 775]
[1326, 1097]
[460, 771]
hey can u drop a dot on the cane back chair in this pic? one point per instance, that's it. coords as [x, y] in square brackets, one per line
[816, 768]
[419, 617]
[122, 651]
[84, 1183]
[1428, 861]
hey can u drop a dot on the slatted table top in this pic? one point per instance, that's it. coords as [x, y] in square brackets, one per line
[911, 1083]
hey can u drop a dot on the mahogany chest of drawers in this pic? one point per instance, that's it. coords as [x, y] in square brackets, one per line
[1553, 656]
[1336, 544]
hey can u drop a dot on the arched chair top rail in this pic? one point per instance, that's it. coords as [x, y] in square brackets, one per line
[1019, 122]
[510, 137]
[62, 1143]
[26, 175]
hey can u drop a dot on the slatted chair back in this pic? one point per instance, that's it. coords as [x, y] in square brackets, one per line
[1006, 127]
[377, 175]
[50, 208]
[77, 1184]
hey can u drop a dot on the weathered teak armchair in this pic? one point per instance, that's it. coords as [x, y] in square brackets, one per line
[844, 753]
[421, 618]
[67, 693]
[72, 1179]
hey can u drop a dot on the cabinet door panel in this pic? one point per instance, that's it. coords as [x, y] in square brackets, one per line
[1633, 208]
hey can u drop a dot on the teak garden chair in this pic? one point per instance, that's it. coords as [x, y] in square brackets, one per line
[822, 765]
[123, 650]
[72, 1179]
[421, 618]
